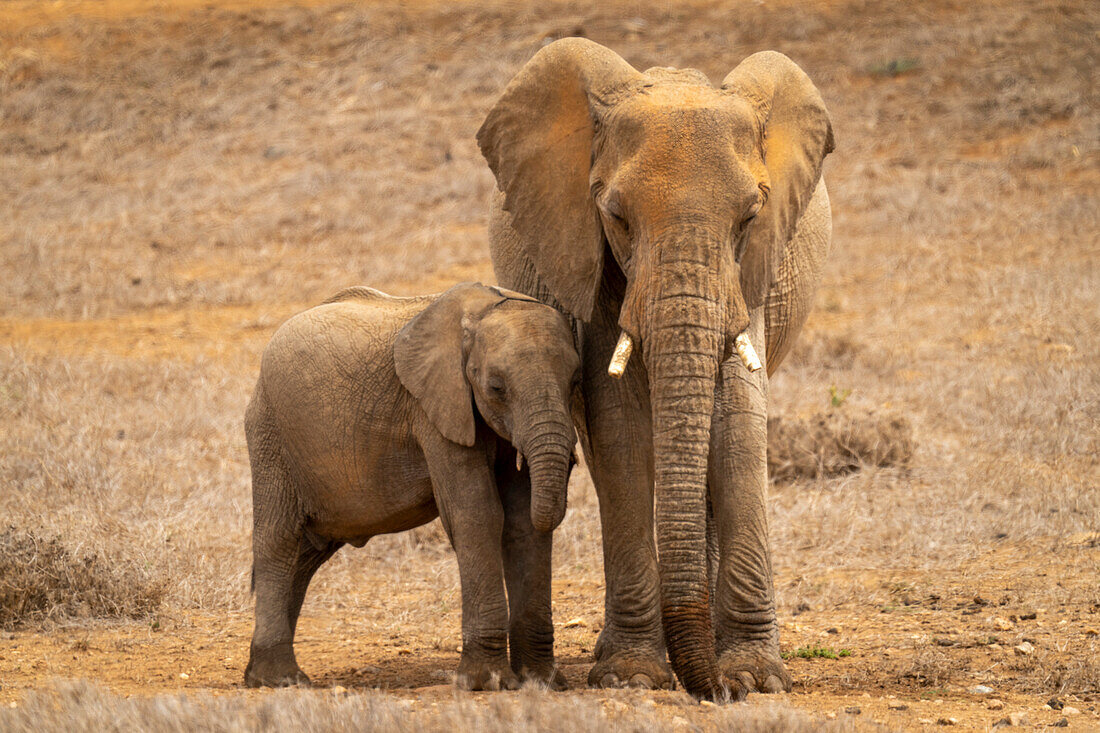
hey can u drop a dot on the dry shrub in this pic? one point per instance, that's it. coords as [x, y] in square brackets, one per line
[836, 442]
[83, 706]
[1046, 671]
[929, 668]
[41, 580]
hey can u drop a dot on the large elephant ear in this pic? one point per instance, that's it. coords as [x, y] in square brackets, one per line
[796, 135]
[430, 358]
[537, 139]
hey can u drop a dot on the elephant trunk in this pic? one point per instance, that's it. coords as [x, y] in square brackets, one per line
[549, 449]
[682, 351]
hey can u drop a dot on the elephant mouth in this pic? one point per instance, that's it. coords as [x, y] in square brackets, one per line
[625, 347]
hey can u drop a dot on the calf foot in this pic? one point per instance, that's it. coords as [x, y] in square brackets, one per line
[481, 673]
[274, 667]
[757, 666]
[551, 678]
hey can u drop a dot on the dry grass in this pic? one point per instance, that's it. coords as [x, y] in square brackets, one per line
[42, 580]
[80, 705]
[185, 178]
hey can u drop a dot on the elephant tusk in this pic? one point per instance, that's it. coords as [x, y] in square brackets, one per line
[519, 460]
[621, 356]
[747, 352]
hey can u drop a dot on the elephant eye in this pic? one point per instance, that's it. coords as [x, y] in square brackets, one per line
[752, 212]
[496, 386]
[614, 210]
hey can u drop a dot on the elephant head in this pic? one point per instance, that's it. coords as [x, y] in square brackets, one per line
[513, 358]
[691, 191]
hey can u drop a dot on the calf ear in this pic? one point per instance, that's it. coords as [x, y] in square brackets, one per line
[430, 356]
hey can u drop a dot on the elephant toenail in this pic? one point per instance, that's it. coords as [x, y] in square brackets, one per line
[610, 680]
[642, 680]
[773, 684]
[747, 680]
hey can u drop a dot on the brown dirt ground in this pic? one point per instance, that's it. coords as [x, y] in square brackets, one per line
[975, 619]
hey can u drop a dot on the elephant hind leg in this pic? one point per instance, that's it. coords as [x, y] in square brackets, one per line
[277, 536]
[310, 559]
[279, 592]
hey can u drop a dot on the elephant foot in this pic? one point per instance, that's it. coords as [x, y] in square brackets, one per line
[551, 678]
[630, 668]
[758, 668]
[485, 674]
[274, 667]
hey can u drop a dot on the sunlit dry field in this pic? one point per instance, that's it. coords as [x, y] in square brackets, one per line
[176, 178]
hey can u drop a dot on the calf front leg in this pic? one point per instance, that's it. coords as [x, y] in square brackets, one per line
[470, 509]
[527, 573]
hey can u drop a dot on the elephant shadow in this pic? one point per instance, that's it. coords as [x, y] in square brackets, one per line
[412, 672]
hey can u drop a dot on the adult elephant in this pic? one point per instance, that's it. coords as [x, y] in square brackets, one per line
[660, 210]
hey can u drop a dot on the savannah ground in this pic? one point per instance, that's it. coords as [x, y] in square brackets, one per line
[176, 178]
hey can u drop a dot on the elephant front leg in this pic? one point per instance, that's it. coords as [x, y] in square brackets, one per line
[630, 650]
[471, 513]
[746, 632]
[527, 572]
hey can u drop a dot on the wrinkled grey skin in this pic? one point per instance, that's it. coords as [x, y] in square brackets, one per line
[363, 423]
[683, 214]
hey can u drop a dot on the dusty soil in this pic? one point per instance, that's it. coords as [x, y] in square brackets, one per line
[907, 655]
[162, 228]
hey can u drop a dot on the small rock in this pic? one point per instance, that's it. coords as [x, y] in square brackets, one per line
[573, 623]
[1061, 723]
[1000, 623]
[897, 705]
[1068, 710]
[1013, 719]
[925, 721]
[852, 710]
[830, 716]
[832, 630]
[1055, 703]
[1029, 616]
[994, 704]
[13, 705]
[707, 704]
[339, 690]
[1024, 648]
[184, 675]
[981, 690]
[947, 721]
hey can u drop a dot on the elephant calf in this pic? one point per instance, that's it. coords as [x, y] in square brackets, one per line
[375, 414]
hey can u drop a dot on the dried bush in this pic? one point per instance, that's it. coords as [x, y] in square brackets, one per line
[1048, 671]
[929, 668]
[42, 580]
[836, 442]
